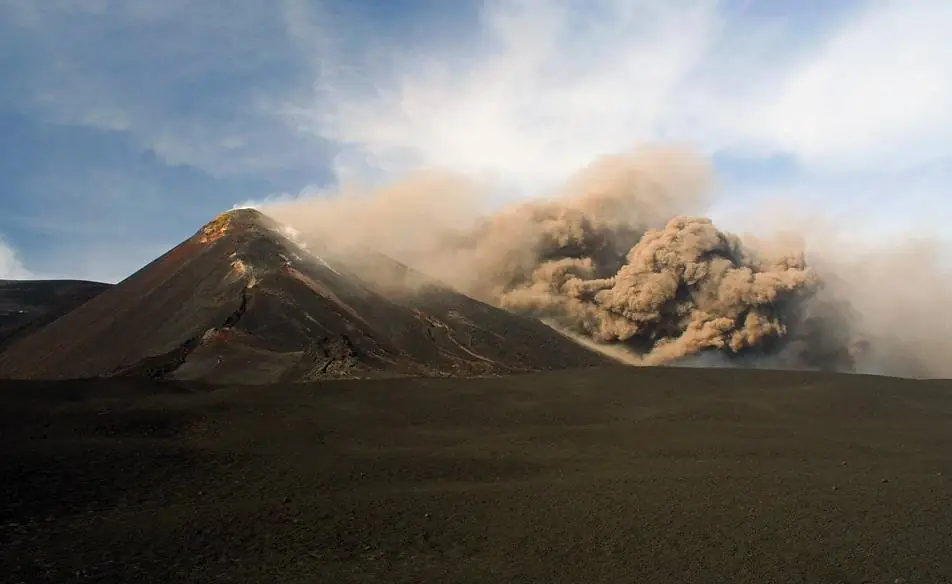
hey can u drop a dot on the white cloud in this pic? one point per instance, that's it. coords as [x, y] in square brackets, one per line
[553, 87]
[538, 90]
[878, 93]
[11, 268]
[552, 84]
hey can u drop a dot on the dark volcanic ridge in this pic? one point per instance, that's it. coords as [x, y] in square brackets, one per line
[240, 302]
[29, 305]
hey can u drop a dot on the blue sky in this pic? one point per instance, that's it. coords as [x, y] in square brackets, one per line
[125, 125]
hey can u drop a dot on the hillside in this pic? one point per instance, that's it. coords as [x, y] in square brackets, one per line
[240, 302]
[28, 305]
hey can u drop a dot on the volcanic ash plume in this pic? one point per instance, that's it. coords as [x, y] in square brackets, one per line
[679, 290]
[615, 257]
[663, 293]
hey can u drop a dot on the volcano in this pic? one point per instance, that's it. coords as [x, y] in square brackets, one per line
[241, 302]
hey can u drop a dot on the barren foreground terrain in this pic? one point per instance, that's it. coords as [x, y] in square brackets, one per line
[605, 475]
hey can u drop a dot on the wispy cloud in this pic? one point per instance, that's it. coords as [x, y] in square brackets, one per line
[876, 94]
[542, 87]
[190, 82]
[549, 86]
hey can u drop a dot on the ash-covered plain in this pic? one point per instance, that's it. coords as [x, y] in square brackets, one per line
[602, 475]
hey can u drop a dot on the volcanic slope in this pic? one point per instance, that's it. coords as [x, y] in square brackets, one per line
[28, 305]
[239, 302]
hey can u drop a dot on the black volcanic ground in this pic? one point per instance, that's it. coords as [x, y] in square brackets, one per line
[604, 475]
[240, 303]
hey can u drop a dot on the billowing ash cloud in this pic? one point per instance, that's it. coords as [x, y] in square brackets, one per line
[619, 259]
[679, 290]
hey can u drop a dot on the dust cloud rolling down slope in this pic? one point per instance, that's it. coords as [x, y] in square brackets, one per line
[239, 302]
[621, 255]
